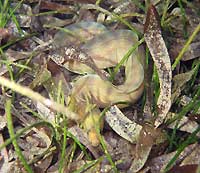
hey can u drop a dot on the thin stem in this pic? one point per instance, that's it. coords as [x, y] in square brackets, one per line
[37, 97]
[184, 49]
[12, 134]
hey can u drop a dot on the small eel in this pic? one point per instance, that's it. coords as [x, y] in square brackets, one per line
[106, 48]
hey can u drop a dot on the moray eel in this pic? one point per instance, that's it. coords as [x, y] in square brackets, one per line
[106, 48]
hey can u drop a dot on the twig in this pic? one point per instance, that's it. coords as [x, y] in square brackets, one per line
[37, 97]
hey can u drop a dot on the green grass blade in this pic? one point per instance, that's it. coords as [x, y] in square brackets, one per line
[87, 166]
[12, 134]
[103, 144]
[182, 113]
[126, 56]
[180, 149]
[184, 49]
[22, 131]
[184, 19]
[164, 12]
[139, 4]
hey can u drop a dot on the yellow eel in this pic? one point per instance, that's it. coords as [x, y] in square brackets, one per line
[106, 48]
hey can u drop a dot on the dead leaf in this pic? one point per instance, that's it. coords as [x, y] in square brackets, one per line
[46, 5]
[4, 158]
[192, 158]
[184, 169]
[43, 164]
[5, 33]
[179, 83]
[156, 164]
[3, 122]
[158, 50]
[186, 100]
[83, 138]
[121, 151]
[192, 52]
[13, 56]
[185, 124]
[23, 14]
[124, 127]
[41, 76]
[148, 137]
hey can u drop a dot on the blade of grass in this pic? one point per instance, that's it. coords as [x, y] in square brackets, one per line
[98, 2]
[180, 149]
[184, 19]
[79, 144]
[7, 62]
[196, 108]
[196, 66]
[12, 134]
[164, 12]
[60, 99]
[13, 17]
[4, 13]
[20, 71]
[185, 47]
[64, 144]
[108, 156]
[96, 7]
[88, 165]
[22, 131]
[103, 144]
[126, 56]
[187, 108]
[17, 40]
[139, 4]
[183, 112]
[7, 65]
[7, 12]
[74, 146]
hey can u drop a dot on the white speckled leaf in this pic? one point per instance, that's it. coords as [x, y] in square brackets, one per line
[124, 127]
[159, 53]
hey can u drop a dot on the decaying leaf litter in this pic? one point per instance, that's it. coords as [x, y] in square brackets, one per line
[100, 120]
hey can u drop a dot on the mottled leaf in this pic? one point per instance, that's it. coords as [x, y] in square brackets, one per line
[185, 124]
[158, 163]
[148, 137]
[158, 50]
[124, 127]
[179, 83]
[42, 76]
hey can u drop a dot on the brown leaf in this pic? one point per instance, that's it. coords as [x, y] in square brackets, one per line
[43, 164]
[46, 5]
[83, 138]
[158, 163]
[83, 1]
[4, 158]
[5, 33]
[158, 50]
[179, 83]
[148, 137]
[184, 169]
[120, 150]
[126, 128]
